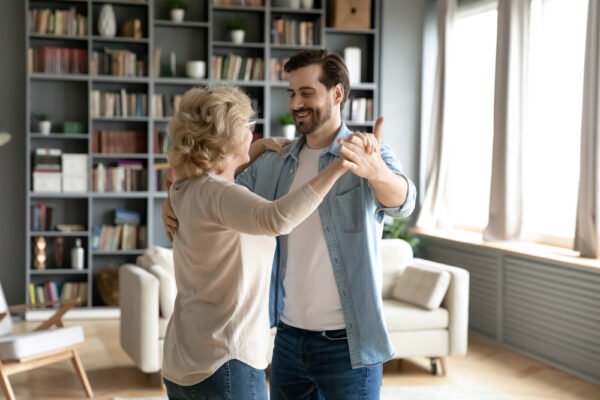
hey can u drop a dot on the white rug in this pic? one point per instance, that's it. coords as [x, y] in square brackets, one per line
[442, 392]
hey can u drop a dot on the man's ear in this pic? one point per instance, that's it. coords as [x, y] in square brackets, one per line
[338, 93]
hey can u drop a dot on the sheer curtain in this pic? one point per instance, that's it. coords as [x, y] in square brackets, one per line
[587, 231]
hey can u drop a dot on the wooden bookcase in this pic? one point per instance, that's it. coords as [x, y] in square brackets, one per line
[202, 35]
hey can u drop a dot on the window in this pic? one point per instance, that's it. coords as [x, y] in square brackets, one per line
[552, 134]
[470, 114]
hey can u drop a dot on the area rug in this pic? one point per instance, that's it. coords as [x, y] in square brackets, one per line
[442, 392]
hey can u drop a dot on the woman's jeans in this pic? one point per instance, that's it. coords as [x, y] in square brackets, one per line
[234, 380]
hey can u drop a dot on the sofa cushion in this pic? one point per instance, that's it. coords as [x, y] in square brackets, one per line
[396, 254]
[422, 286]
[166, 290]
[23, 345]
[162, 327]
[401, 317]
[157, 255]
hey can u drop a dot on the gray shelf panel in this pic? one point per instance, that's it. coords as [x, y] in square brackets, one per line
[356, 123]
[162, 120]
[279, 84]
[60, 136]
[184, 24]
[241, 83]
[58, 195]
[117, 252]
[120, 39]
[50, 36]
[181, 81]
[124, 2]
[58, 271]
[119, 195]
[119, 155]
[120, 79]
[238, 45]
[58, 233]
[285, 10]
[123, 119]
[239, 8]
[160, 195]
[363, 86]
[59, 77]
[295, 47]
[351, 31]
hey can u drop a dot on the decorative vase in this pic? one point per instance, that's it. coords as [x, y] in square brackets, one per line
[294, 4]
[45, 127]
[289, 131]
[308, 4]
[177, 14]
[195, 69]
[107, 22]
[237, 36]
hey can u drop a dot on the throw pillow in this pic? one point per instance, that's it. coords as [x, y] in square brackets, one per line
[423, 287]
[167, 291]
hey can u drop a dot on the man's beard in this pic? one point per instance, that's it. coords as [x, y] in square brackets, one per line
[317, 120]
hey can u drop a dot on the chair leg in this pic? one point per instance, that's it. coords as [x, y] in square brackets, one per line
[443, 364]
[82, 375]
[6, 387]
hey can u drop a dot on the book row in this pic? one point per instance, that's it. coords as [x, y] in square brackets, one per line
[57, 60]
[52, 291]
[119, 237]
[118, 104]
[358, 110]
[58, 22]
[163, 173]
[125, 176]
[166, 105]
[234, 67]
[292, 32]
[118, 63]
[115, 142]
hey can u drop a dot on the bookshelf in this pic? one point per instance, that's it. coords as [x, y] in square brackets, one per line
[70, 96]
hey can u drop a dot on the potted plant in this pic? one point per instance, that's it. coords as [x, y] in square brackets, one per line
[177, 8]
[289, 125]
[237, 28]
[397, 228]
[44, 123]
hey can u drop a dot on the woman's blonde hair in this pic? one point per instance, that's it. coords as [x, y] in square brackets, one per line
[208, 125]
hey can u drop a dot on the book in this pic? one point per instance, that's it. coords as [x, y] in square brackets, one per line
[127, 217]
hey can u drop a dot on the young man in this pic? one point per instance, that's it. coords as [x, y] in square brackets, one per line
[326, 279]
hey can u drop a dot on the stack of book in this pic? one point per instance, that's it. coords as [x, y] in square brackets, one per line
[292, 32]
[125, 176]
[57, 60]
[58, 22]
[163, 172]
[358, 110]
[41, 216]
[125, 234]
[161, 142]
[166, 105]
[118, 63]
[51, 291]
[115, 142]
[118, 104]
[277, 72]
[234, 67]
[47, 170]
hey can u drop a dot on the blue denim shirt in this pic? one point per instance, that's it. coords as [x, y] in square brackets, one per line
[352, 221]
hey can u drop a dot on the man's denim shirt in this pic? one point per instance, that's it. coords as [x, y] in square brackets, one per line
[352, 219]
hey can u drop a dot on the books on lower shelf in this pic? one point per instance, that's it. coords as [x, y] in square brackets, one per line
[41, 216]
[165, 105]
[277, 72]
[126, 141]
[52, 291]
[163, 172]
[124, 176]
[57, 60]
[58, 22]
[125, 234]
[118, 104]
[161, 142]
[234, 67]
[118, 62]
[358, 110]
[288, 31]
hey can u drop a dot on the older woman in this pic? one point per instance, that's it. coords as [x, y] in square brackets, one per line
[217, 340]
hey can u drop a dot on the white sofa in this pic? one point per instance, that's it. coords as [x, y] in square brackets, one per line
[147, 292]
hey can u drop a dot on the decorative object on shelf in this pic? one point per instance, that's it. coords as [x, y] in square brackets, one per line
[177, 8]
[195, 69]
[237, 28]
[308, 4]
[4, 136]
[44, 123]
[173, 64]
[108, 285]
[59, 251]
[39, 253]
[133, 28]
[107, 22]
[295, 4]
[77, 255]
[352, 57]
[73, 127]
[288, 125]
[349, 14]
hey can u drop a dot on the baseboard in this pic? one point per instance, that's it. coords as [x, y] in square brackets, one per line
[76, 314]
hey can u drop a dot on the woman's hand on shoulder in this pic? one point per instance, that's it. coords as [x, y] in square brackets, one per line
[276, 144]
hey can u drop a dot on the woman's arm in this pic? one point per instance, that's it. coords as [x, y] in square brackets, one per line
[260, 146]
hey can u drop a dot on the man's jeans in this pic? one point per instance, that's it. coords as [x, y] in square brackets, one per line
[234, 380]
[316, 365]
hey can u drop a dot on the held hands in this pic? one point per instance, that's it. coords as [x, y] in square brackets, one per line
[362, 154]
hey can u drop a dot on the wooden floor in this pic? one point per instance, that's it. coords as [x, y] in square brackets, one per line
[112, 374]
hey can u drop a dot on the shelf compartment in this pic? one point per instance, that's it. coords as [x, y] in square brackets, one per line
[39, 76]
[120, 39]
[257, 9]
[184, 24]
[51, 36]
[245, 45]
[60, 136]
[59, 271]
[58, 233]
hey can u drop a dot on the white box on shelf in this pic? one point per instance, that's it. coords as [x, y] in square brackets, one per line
[75, 165]
[74, 184]
[46, 181]
[352, 56]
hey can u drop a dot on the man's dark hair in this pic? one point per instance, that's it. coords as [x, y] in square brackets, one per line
[333, 66]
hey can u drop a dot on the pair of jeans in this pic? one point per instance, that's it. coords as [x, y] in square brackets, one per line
[234, 380]
[316, 365]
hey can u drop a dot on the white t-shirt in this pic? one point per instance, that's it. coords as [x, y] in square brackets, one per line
[311, 298]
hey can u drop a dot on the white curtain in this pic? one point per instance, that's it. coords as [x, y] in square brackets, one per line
[587, 229]
[505, 212]
[436, 170]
